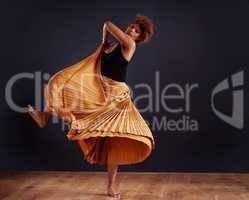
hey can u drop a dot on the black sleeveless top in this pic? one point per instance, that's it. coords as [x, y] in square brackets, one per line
[114, 65]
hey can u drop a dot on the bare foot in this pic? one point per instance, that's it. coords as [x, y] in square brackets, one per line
[39, 117]
[112, 193]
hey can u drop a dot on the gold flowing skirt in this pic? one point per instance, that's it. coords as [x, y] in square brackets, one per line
[107, 126]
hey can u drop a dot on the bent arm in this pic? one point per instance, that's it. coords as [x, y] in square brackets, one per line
[121, 36]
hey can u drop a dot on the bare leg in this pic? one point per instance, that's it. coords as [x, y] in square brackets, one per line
[40, 118]
[112, 172]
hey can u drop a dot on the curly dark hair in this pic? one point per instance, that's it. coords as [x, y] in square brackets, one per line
[147, 28]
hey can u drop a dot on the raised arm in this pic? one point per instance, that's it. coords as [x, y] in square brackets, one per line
[105, 34]
[121, 36]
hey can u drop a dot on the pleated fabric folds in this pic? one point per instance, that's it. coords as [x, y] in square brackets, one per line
[107, 125]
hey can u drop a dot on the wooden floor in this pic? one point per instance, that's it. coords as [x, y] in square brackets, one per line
[36, 185]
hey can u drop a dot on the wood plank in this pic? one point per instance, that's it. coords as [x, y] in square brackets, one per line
[77, 185]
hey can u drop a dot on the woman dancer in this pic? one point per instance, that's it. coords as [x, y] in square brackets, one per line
[104, 121]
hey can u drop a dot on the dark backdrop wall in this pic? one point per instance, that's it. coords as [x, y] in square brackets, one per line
[197, 45]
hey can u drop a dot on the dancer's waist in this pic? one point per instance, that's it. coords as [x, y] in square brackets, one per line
[115, 88]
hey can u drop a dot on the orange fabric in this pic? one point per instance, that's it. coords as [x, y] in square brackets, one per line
[107, 126]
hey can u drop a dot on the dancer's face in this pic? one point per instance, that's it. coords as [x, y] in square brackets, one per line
[134, 31]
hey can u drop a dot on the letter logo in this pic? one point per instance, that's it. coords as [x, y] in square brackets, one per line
[237, 118]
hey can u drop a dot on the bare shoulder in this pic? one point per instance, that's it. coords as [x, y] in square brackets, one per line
[128, 51]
